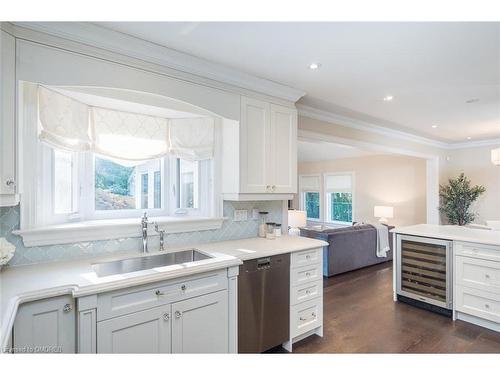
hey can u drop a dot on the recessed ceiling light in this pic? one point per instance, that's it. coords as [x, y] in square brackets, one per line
[434, 126]
[469, 138]
[314, 66]
[388, 98]
[473, 100]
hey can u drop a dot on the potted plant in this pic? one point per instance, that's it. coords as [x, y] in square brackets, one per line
[457, 198]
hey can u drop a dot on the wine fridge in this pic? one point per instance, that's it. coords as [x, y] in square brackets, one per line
[423, 270]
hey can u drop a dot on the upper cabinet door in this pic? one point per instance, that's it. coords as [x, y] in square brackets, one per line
[46, 326]
[7, 114]
[200, 325]
[283, 157]
[146, 331]
[255, 133]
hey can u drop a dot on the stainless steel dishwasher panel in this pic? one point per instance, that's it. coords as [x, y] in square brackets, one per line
[263, 303]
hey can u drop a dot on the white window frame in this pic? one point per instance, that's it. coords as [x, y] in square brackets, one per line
[302, 199]
[37, 227]
[327, 198]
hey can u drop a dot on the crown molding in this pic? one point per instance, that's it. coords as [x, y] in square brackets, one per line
[116, 42]
[353, 123]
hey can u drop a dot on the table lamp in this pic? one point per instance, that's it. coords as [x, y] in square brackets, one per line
[296, 219]
[384, 213]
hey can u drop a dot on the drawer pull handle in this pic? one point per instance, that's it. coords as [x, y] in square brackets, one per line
[313, 315]
[159, 293]
[302, 319]
[308, 274]
[183, 287]
[308, 257]
[67, 307]
[308, 291]
[166, 317]
[487, 276]
[178, 314]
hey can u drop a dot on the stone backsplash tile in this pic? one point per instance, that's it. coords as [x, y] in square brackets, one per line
[230, 230]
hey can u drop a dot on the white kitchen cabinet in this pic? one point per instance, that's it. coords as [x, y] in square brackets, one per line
[46, 326]
[146, 331]
[199, 324]
[306, 295]
[8, 181]
[260, 153]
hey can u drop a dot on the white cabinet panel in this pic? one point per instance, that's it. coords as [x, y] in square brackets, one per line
[7, 116]
[254, 145]
[306, 316]
[200, 325]
[146, 331]
[46, 326]
[478, 303]
[478, 273]
[283, 150]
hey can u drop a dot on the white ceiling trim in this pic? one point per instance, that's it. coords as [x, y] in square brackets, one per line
[113, 41]
[352, 123]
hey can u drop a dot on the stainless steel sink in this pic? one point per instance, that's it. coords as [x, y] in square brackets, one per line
[148, 262]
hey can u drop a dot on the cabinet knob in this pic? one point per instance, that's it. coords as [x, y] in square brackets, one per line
[166, 317]
[486, 305]
[313, 315]
[268, 187]
[183, 287]
[302, 319]
[10, 182]
[308, 257]
[67, 307]
[308, 274]
[159, 293]
[487, 276]
[273, 187]
[178, 314]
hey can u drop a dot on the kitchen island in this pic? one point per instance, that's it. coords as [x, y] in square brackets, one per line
[110, 299]
[450, 268]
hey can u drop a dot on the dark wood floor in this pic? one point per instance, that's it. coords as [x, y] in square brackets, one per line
[361, 317]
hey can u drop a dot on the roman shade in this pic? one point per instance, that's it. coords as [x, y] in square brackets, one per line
[309, 183]
[132, 137]
[338, 182]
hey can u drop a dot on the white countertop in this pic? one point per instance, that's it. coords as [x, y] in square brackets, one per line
[32, 282]
[452, 232]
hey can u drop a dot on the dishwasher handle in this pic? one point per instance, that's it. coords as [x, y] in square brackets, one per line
[263, 263]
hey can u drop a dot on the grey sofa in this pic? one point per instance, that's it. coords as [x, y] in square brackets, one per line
[350, 248]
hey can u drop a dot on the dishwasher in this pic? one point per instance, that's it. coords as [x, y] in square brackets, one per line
[263, 303]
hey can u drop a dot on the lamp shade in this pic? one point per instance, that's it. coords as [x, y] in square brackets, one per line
[495, 156]
[297, 218]
[386, 212]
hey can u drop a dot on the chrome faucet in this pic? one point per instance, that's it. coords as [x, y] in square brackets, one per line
[162, 237]
[144, 224]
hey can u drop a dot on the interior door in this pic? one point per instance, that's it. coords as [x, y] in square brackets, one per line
[200, 325]
[46, 326]
[283, 158]
[146, 331]
[255, 126]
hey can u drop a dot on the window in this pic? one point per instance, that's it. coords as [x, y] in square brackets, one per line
[339, 197]
[309, 187]
[120, 190]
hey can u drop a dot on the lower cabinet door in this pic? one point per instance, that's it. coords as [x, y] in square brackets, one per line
[200, 325]
[46, 326]
[146, 331]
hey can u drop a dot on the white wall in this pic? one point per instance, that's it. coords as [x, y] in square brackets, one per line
[391, 180]
[476, 164]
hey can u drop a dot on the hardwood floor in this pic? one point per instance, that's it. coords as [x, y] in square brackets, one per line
[361, 317]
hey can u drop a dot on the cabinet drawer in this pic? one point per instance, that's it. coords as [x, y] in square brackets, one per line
[143, 297]
[306, 257]
[476, 250]
[478, 273]
[306, 316]
[305, 274]
[478, 303]
[306, 292]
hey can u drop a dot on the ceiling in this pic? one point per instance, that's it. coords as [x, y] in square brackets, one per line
[431, 69]
[321, 151]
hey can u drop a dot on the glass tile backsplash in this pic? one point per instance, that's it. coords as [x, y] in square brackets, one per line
[230, 230]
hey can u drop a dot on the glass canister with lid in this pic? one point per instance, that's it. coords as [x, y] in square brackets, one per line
[262, 224]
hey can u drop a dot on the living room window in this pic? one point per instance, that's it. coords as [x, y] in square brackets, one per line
[339, 198]
[310, 196]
